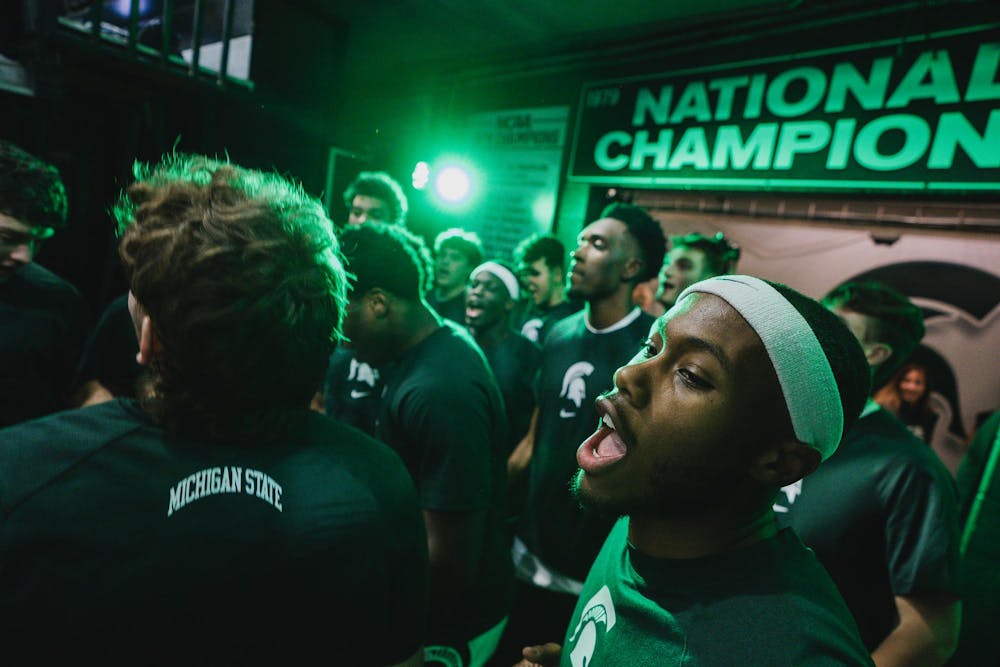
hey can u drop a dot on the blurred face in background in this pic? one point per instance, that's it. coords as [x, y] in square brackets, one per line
[18, 244]
[451, 269]
[682, 267]
[545, 284]
[912, 385]
[367, 209]
[487, 302]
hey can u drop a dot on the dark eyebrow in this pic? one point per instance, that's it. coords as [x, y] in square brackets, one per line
[695, 343]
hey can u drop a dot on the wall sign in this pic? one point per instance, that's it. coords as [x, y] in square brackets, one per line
[920, 113]
[522, 155]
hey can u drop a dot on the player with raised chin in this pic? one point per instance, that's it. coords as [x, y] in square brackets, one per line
[743, 387]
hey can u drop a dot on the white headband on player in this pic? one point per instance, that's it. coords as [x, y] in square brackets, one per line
[803, 370]
[505, 275]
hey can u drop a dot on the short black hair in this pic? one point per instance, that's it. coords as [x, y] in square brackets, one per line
[31, 190]
[382, 186]
[388, 257]
[843, 352]
[463, 241]
[646, 231]
[720, 255]
[546, 247]
[899, 323]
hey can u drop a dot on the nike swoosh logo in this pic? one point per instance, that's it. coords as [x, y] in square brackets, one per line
[359, 394]
[566, 414]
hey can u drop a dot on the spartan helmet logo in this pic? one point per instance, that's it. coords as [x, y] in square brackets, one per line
[574, 386]
[532, 329]
[597, 619]
[362, 372]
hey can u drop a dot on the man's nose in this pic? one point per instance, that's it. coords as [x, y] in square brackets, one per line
[630, 383]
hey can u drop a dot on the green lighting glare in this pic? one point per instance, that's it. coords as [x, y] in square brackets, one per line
[453, 184]
[421, 175]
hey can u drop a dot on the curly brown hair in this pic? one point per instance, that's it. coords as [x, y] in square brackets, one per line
[243, 281]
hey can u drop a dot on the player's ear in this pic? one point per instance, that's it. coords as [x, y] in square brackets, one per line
[783, 463]
[631, 269]
[378, 302]
[150, 345]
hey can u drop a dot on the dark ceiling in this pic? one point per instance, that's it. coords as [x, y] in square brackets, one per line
[392, 37]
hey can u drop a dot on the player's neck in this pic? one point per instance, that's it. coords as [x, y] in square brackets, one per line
[699, 536]
[420, 321]
[605, 311]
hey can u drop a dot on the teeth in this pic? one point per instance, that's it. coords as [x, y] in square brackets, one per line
[607, 421]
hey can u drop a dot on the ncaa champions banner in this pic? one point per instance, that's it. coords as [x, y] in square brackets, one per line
[920, 113]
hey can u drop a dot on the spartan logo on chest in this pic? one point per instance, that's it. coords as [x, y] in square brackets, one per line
[532, 329]
[574, 388]
[362, 374]
[596, 621]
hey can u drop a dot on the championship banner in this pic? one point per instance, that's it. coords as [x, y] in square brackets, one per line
[920, 113]
[521, 151]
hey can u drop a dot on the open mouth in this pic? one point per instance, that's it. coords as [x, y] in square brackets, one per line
[473, 312]
[603, 449]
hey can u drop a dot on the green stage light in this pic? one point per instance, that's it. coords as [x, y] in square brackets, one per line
[453, 184]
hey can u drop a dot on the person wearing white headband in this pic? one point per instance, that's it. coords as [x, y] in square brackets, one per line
[742, 387]
[490, 298]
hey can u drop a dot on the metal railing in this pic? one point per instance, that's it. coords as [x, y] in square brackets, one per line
[91, 21]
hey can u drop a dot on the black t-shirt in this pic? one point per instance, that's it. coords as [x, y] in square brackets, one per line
[882, 516]
[109, 355]
[352, 390]
[43, 323]
[452, 309]
[767, 604]
[578, 364]
[444, 415]
[539, 322]
[122, 543]
[515, 361]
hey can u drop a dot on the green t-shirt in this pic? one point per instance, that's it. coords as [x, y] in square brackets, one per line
[769, 604]
[122, 543]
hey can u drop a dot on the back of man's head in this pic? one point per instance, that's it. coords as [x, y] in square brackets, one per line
[896, 321]
[646, 231]
[460, 240]
[544, 247]
[388, 257]
[379, 185]
[721, 256]
[241, 276]
[31, 191]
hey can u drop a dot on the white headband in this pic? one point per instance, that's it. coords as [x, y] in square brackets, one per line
[505, 275]
[803, 371]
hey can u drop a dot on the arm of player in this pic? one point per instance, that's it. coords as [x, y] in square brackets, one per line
[519, 459]
[454, 546]
[927, 633]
